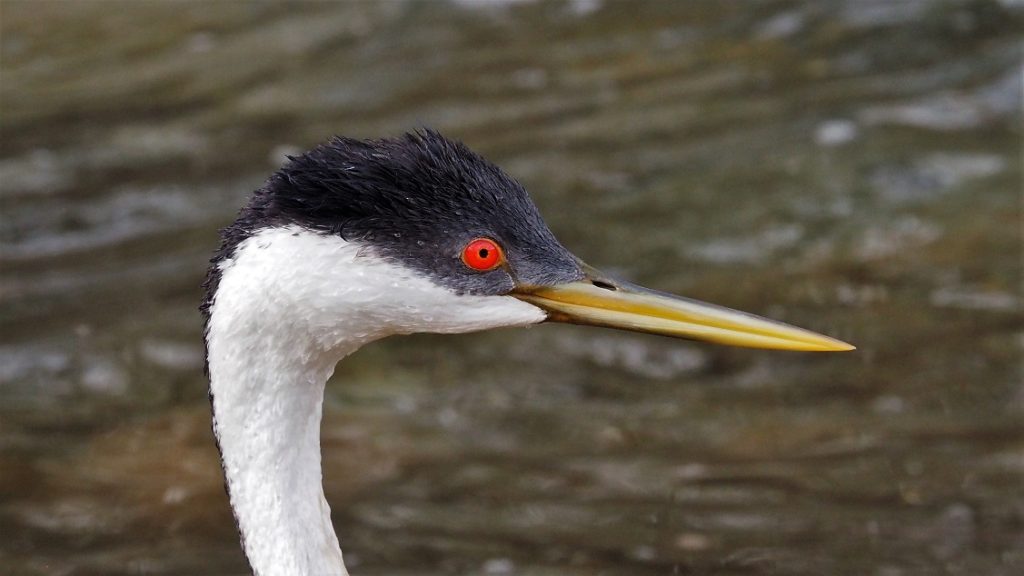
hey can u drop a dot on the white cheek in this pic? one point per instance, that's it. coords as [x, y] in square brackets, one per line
[322, 287]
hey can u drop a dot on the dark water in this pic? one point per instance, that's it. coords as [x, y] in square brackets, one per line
[851, 166]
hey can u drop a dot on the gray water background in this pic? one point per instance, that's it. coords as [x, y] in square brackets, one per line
[852, 166]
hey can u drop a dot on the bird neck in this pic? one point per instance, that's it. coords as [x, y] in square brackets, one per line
[268, 369]
[267, 411]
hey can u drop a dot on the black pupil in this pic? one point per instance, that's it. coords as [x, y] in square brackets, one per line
[483, 252]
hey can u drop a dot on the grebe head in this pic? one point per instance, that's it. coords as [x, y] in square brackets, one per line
[430, 229]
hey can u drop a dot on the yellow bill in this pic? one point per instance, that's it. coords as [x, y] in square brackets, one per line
[615, 304]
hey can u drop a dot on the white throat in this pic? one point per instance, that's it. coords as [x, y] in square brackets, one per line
[290, 304]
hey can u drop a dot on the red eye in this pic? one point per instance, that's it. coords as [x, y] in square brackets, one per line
[482, 254]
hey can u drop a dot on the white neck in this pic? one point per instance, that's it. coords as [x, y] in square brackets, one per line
[290, 304]
[267, 409]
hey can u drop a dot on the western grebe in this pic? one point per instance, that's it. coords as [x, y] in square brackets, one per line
[357, 240]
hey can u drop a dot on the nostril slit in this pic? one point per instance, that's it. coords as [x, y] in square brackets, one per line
[604, 285]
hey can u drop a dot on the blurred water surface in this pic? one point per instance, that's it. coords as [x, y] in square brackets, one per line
[850, 166]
